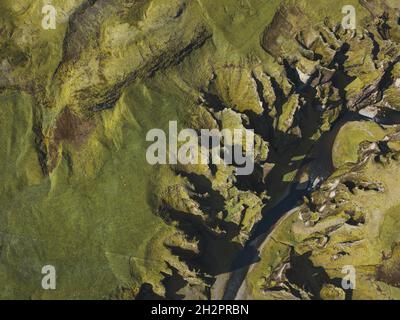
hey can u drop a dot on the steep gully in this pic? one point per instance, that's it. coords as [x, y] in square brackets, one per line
[319, 165]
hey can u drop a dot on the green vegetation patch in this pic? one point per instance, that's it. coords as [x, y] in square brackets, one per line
[346, 145]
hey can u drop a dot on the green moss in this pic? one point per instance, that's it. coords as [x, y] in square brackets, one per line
[330, 292]
[346, 145]
[91, 207]
[288, 110]
[96, 221]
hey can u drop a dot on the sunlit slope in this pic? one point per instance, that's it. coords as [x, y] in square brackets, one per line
[77, 192]
[93, 218]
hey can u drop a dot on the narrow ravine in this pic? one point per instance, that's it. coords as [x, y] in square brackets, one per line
[319, 162]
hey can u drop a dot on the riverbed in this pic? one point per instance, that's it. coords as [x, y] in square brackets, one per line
[319, 166]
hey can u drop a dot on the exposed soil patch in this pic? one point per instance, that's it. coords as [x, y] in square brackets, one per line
[69, 128]
[389, 271]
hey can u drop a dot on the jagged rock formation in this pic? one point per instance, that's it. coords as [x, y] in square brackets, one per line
[348, 220]
[345, 220]
[78, 101]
